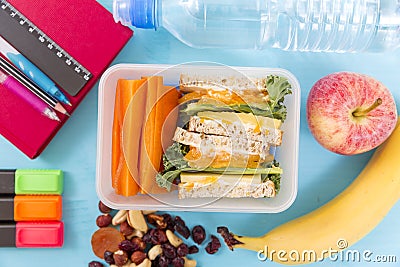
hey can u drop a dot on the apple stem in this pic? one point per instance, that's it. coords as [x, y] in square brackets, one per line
[363, 112]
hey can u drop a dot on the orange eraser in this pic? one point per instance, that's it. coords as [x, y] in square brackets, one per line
[37, 208]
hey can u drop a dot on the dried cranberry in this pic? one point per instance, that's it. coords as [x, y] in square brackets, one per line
[158, 236]
[181, 227]
[108, 257]
[213, 246]
[138, 243]
[170, 226]
[167, 217]
[193, 249]
[183, 230]
[95, 264]
[228, 237]
[147, 238]
[170, 222]
[168, 250]
[154, 263]
[178, 220]
[178, 262]
[127, 246]
[198, 234]
[162, 261]
[182, 250]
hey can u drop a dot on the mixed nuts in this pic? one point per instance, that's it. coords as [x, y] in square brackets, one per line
[134, 238]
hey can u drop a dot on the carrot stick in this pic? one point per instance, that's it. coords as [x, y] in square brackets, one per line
[159, 130]
[147, 170]
[167, 117]
[125, 124]
[145, 118]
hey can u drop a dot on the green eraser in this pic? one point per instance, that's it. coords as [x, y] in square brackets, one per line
[39, 182]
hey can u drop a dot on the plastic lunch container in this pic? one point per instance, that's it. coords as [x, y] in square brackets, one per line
[286, 154]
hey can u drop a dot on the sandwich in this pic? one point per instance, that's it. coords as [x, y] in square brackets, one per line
[226, 137]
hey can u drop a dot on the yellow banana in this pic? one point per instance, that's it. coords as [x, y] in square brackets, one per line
[342, 221]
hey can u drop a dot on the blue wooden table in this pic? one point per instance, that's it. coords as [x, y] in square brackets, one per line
[322, 174]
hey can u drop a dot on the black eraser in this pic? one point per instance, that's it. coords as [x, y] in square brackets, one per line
[6, 209]
[7, 181]
[7, 234]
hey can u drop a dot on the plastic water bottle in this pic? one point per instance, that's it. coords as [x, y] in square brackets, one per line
[302, 25]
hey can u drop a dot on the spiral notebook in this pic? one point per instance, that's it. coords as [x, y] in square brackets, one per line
[85, 32]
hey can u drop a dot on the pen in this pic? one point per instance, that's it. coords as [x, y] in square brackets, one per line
[33, 72]
[13, 71]
[18, 89]
[32, 234]
[30, 208]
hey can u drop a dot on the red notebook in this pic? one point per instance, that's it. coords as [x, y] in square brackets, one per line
[87, 32]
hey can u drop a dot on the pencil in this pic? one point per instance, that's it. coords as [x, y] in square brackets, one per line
[19, 76]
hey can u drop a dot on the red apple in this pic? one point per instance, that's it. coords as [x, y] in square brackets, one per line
[350, 113]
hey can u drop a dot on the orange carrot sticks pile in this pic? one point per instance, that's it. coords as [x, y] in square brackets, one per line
[145, 115]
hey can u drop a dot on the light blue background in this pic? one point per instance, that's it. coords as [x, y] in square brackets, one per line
[322, 174]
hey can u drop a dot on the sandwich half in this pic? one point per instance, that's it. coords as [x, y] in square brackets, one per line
[226, 136]
[208, 184]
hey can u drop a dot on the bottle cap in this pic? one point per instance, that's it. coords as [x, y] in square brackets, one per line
[138, 13]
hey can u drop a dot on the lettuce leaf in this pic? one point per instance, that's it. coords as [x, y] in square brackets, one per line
[166, 179]
[259, 110]
[174, 164]
[274, 176]
[278, 87]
